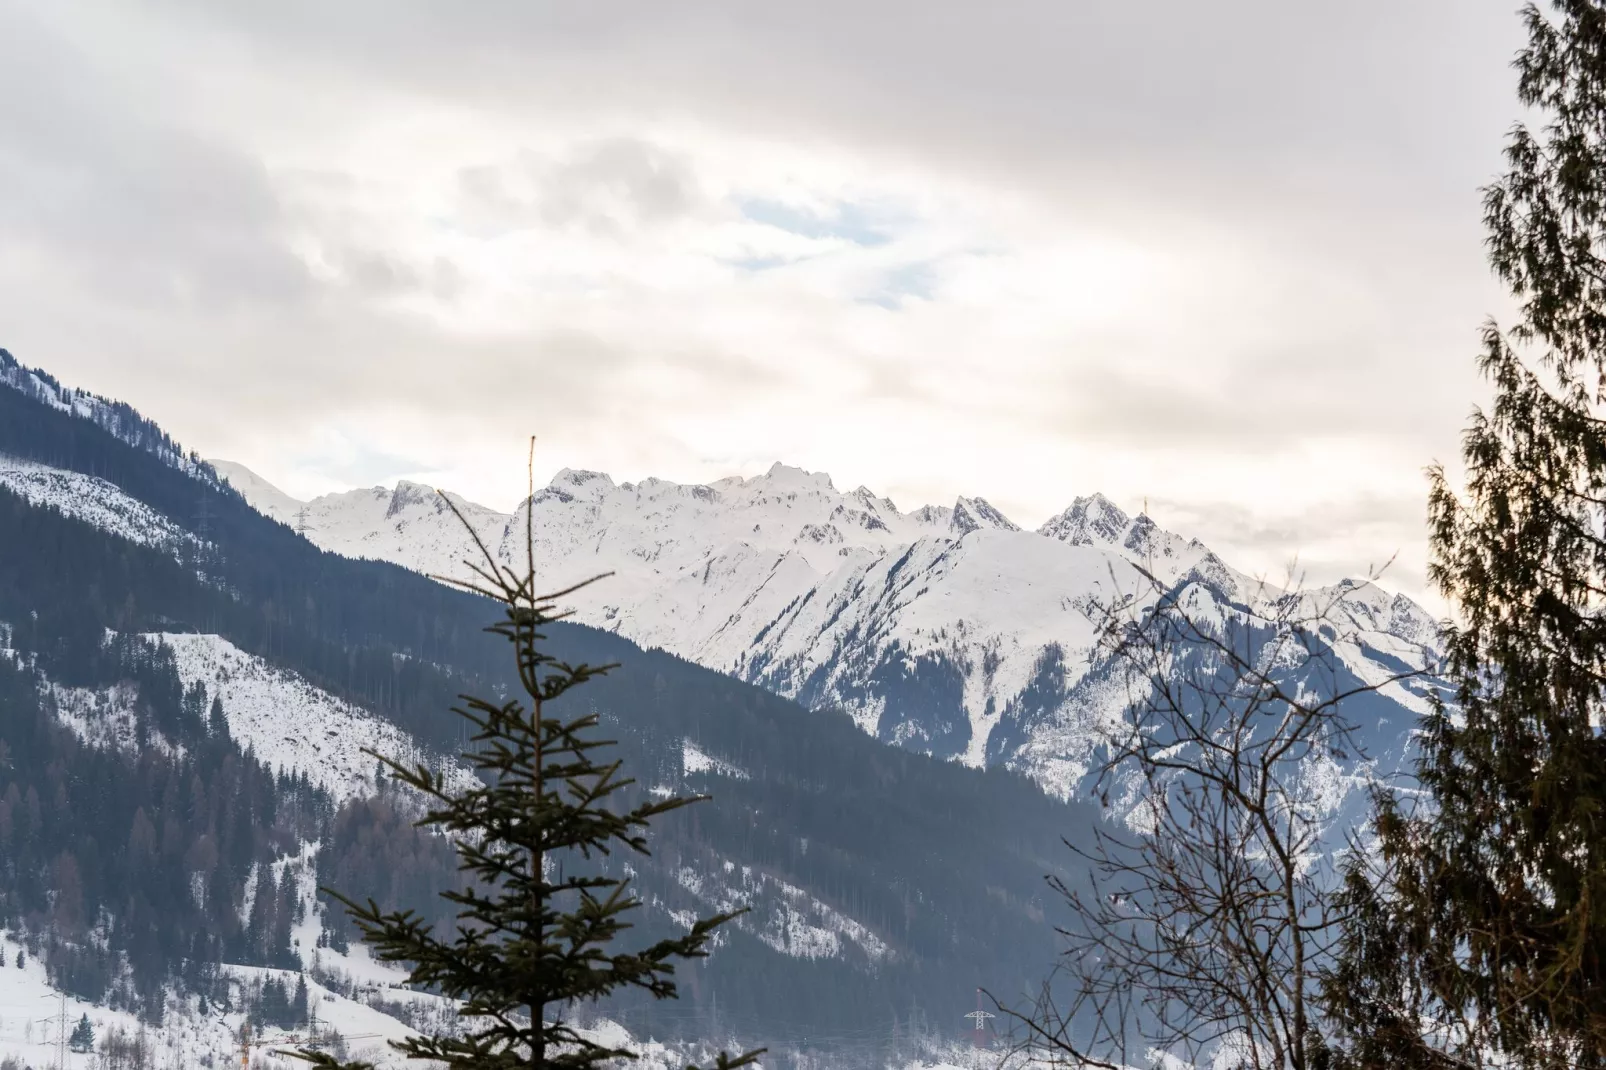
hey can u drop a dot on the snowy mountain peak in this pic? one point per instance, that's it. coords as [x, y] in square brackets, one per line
[409, 494]
[1213, 572]
[974, 514]
[263, 496]
[1383, 612]
[581, 479]
[932, 516]
[784, 475]
[931, 637]
[1090, 521]
[1094, 520]
[873, 502]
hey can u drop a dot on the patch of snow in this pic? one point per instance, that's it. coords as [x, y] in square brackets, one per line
[94, 501]
[783, 916]
[694, 760]
[101, 718]
[289, 724]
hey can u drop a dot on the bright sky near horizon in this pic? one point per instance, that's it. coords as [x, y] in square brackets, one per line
[1221, 259]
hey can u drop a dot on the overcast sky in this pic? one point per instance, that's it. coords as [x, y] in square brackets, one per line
[1221, 258]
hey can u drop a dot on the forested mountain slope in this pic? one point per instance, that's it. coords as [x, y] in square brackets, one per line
[149, 642]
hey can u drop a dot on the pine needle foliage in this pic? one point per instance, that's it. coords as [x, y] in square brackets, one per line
[533, 938]
[1481, 938]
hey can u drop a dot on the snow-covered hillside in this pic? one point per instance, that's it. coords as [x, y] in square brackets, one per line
[945, 629]
[291, 725]
[276, 716]
[364, 1021]
[297, 728]
[31, 1009]
[93, 500]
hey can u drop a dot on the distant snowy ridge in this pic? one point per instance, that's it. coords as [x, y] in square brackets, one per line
[945, 629]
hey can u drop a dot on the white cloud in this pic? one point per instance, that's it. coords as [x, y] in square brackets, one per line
[1226, 260]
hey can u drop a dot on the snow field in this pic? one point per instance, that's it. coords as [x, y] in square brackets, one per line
[93, 500]
[289, 724]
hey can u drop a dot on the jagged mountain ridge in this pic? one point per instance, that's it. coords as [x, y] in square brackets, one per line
[945, 629]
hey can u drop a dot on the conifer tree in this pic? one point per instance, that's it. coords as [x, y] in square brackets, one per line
[1483, 936]
[533, 938]
[83, 1036]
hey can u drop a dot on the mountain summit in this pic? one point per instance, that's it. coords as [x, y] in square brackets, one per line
[948, 630]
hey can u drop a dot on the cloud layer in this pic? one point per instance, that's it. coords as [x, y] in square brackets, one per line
[1221, 258]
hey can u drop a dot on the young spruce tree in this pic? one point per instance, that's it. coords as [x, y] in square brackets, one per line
[83, 1036]
[532, 938]
[1482, 940]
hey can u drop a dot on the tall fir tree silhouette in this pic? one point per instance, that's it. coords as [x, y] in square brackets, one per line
[1481, 937]
[532, 938]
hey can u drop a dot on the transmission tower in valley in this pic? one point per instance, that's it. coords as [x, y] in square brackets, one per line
[981, 1029]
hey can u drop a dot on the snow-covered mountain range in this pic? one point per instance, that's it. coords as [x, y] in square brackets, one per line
[869, 873]
[948, 630]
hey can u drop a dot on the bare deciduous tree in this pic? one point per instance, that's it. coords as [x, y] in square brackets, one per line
[1209, 912]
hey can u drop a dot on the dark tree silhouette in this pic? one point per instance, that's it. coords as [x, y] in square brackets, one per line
[536, 927]
[1480, 926]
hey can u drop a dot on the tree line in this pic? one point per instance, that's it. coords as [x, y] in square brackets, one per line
[128, 867]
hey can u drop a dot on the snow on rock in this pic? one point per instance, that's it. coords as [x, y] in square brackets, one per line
[946, 629]
[101, 718]
[93, 500]
[694, 760]
[974, 514]
[289, 724]
[263, 496]
[783, 916]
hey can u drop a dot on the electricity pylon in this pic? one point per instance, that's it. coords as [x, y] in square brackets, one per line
[980, 1017]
